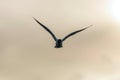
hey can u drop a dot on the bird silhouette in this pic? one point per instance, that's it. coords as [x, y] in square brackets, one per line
[59, 41]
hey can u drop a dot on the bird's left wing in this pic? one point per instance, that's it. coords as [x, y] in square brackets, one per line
[74, 33]
[54, 37]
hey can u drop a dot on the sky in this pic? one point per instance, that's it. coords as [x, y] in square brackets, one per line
[27, 51]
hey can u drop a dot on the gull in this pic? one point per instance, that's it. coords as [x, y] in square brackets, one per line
[59, 41]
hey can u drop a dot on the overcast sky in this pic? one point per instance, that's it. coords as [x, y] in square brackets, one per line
[27, 51]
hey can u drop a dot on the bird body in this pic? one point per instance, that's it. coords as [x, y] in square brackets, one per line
[59, 41]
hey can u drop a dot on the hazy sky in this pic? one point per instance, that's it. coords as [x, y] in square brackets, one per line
[27, 51]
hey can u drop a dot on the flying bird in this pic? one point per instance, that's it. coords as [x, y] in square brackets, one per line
[59, 41]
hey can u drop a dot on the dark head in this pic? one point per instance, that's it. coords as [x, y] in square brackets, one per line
[59, 40]
[58, 43]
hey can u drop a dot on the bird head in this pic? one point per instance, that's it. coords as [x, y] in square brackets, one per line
[59, 40]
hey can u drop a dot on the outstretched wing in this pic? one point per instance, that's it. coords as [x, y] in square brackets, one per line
[74, 33]
[54, 37]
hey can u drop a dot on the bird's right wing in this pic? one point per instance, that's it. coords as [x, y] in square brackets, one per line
[54, 37]
[74, 33]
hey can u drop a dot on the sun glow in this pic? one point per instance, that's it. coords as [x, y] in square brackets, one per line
[114, 9]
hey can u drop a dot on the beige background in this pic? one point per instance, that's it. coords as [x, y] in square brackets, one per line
[27, 51]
